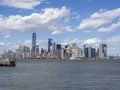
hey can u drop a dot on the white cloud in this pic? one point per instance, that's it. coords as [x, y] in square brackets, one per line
[56, 32]
[26, 42]
[70, 41]
[23, 4]
[100, 18]
[2, 43]
[68, 29]
[110, 28]
[92, 41]
[114, 39]
[36, 21]
[7, 36]
[75, 16]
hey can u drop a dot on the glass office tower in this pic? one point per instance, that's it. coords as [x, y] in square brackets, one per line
[33, 41]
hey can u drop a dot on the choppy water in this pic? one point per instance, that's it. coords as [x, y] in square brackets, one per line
[61, 75]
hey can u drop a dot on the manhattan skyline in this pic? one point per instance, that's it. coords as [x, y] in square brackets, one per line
[89, 21]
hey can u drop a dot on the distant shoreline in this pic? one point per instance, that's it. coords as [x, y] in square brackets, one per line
[70, 60]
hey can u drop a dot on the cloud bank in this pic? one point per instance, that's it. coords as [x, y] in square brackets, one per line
[92, 41]
[22, 4]
[50, 19]
[101, 19]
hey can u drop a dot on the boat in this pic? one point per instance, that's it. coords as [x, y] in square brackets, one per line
[7, 62]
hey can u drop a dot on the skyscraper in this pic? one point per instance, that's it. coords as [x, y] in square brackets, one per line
[85, 50]
[33, 42]
[74, 50]
[37, 50]
[93, 52]
[102, 51]
[50, 44]
[89, 51]
[58, 48]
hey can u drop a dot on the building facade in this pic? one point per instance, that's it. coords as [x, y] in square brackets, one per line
[50, 45]
[102, 51]
[33, 42]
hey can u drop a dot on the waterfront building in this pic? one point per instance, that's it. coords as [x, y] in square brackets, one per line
[50, 41]
[58, 48]
[51, 48]
[37, 51]
[33, 42]
[26, 52]
[97, 53]
[23, 52]
[67, 52]
[74, 50]
[85, 50]
[102, 51]
[62, 53]
[93, 52]
[89, 51]
[74, 45]
[80, 52]
[54, 49]
[17, 54]
[43, 53]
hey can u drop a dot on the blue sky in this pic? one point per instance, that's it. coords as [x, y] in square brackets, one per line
[65, 21]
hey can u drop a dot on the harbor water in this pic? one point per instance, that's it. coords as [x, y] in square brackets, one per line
[61, 75]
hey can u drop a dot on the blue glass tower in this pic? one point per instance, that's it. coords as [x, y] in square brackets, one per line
[49, 44]
[33, 41]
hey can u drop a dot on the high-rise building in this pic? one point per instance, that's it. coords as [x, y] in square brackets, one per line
[102, 51]
[67, 52]
[51, 48]
[58, 49]
[58, 46]
[80, 52]
[50, 42]
[43, 53]
[33, 42]
[54, 49]
[37, 50]
[74, 45]
[93, 52]
[62, 53]
[23, 52]
[89, 51]
[85, 49]
[74, 50]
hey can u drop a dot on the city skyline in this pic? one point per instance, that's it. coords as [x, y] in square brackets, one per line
[58, 51]
[66, 22]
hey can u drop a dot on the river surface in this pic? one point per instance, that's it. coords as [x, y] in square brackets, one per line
[61, 75]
